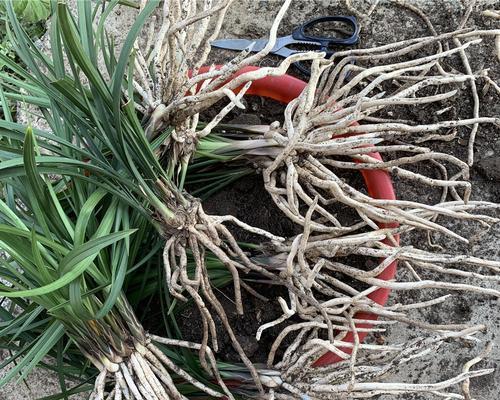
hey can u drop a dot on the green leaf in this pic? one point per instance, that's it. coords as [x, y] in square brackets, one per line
[74, 264]
[81, 388]
[60, 369]
[24, 46]
[17, 325]
[125, 53]
[8, 214]
[32, 174]
[32, 10]
[73, 41]
[88, 210]
[30, 318]
[38, 259]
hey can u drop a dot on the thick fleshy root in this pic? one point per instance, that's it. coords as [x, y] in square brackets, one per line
[149, 374]
[300, 164]
[307, 155]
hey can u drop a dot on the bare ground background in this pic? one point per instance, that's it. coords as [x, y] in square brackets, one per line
[390, 22]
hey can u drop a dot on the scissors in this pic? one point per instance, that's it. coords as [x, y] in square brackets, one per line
[298, 36]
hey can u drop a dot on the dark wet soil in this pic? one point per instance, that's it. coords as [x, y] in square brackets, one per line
[248, 200]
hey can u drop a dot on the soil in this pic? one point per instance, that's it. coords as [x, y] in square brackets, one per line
[248, 201]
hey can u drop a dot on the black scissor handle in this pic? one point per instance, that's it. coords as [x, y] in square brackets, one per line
[299, 33]
[324, 42]
[302, 68]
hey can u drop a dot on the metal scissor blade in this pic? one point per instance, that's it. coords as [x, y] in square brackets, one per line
[240, 44]
[278, 49]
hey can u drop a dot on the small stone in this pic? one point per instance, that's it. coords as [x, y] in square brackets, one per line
[490, 167]
[380, 339]
[249, 344]
[248, 119]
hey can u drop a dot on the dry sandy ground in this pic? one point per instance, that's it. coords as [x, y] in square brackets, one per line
[251, 18]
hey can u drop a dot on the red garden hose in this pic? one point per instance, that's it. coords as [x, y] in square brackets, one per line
[378, 183]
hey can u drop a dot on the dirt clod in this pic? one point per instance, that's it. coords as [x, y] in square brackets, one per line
[490, 167]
